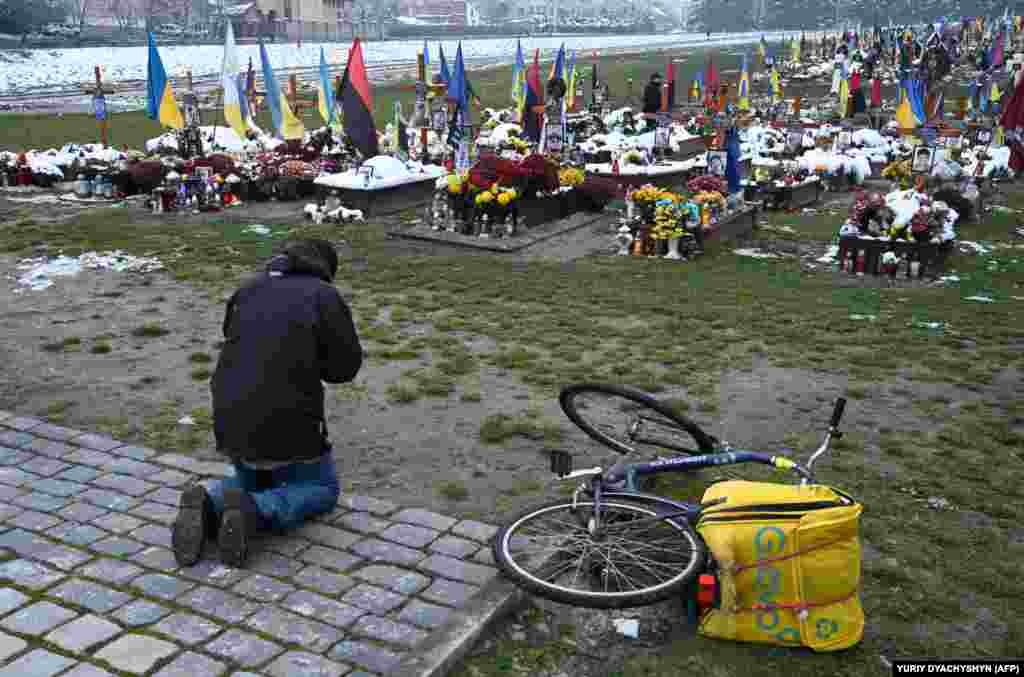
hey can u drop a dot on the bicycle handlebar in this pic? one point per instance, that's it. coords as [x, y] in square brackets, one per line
[837, 414]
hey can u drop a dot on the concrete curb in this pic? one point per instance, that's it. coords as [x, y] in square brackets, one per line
[447, 645]
[458, 241]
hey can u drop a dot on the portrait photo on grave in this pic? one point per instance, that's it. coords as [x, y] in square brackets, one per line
[922, 163]
[716, 162]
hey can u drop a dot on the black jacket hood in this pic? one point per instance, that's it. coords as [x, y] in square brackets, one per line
[306, 258]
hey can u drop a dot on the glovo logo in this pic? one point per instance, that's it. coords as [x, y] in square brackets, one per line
[771, 542]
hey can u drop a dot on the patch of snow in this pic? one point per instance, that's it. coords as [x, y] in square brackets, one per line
[830, 255]
[68, 68]
[755, 254]
[40, 271]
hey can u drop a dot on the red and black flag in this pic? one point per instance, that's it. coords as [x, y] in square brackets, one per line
[357, 105]
[534, 100]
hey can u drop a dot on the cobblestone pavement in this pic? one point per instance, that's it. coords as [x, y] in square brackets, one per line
[89, 586]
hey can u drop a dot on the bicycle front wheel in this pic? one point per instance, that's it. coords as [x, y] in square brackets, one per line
[551, 552]
[630, 421]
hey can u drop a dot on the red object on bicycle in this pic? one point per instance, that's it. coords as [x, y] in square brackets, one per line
[706, 588]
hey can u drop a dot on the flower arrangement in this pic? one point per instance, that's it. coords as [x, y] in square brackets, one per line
[649, 194]
[668, 221]
[457, 183]
[506, 196]
[517, 144]
[706, 184]
[571, 177]
[633, 157]
[496, 194]
[711, 199]
[898, 171]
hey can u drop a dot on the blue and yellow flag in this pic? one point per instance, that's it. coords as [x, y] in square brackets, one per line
[160, 103]
[234, 113]
[571, 94]
[325, 95]
[287, 126]
[905, 112]
[697, 88]
[744, 88]
[519, 80]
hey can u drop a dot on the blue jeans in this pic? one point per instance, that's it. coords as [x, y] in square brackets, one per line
[285, 496]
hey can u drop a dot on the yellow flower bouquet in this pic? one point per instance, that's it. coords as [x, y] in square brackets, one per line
[649, 194]
[667, 223]
[710, 199]
[454, 184]
[484, 198]
[506, 196]
[571, 177]
[898, 171]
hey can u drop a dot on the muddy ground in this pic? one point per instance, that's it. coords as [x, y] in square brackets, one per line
[383, 449]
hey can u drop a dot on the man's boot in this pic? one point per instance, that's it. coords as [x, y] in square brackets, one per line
[192, 525]
[240, 522]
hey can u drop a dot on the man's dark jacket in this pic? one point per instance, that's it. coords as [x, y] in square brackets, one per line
[283, 336]
[652, 98]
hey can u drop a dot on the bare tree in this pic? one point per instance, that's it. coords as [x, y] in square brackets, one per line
[124, 12]
[79, 11]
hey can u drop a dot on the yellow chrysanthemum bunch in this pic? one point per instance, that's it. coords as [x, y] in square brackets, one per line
[667, 223]
[710, 199]
[897, 170]
[485, 197]
[506, 196]
[650, 193]
[571, 177]
[454, 184]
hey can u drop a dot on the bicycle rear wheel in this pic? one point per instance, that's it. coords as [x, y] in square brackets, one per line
[550, 552]
[631, 421]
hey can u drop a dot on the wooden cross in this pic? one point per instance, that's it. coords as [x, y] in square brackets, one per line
[98, 90]
[298, 102]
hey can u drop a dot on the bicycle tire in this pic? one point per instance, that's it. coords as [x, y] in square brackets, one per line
[689, 541]
[568, 401]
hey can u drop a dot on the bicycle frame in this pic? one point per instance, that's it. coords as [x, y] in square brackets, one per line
[689, 511]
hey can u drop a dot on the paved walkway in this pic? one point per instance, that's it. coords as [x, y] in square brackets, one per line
[89, 587]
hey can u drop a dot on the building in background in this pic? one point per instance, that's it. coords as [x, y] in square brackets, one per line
[435, 12]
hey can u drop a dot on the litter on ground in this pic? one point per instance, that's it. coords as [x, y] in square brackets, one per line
[40, 271]
[257, 229]
[628, 627]
[979, 299]
[830, 255]
[755, 254]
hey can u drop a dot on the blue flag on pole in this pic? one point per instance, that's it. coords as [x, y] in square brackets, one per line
[446, 77]
[457, 90]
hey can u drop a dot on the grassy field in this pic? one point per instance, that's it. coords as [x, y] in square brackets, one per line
[42, 131]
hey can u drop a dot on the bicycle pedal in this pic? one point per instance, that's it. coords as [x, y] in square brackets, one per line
[561, 462]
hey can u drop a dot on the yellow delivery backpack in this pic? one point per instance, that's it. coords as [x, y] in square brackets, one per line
[788, 561]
